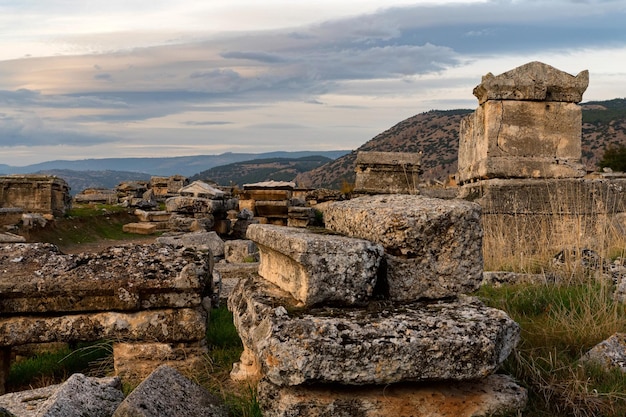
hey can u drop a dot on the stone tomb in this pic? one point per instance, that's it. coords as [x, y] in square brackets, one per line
[35, 193]
[150, 300]
[316, 356]
[387, 172]
[527, 125]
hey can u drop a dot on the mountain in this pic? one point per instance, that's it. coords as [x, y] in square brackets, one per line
[257, 170]
[436, 134]
[79, 180]
[183, 165]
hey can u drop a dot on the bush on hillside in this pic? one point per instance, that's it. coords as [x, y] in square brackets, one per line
[615, 158]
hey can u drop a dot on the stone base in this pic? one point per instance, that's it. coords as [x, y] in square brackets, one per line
[384, 343]
[133, 362]
[493, 395]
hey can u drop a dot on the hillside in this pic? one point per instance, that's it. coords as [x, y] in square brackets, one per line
[436, 135]
[79, 180]
[277, 169]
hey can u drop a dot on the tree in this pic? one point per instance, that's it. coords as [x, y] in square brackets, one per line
[615, 158]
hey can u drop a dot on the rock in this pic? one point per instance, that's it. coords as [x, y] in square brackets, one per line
[240, 250]
[386, 172]
[78, 396]
[499, 278]
[231, 274]
[37, 278]
[6, 237]
[152, 216]
[200, 189]
[493, 395]
[433, 247]
[300, 216]
[610, 353]
[140, 228]
[385, 343]
[179, 223]
[200, 241]
[193, 205]
[169, 325]
[167, 393]
[317, 268]
[534, 81]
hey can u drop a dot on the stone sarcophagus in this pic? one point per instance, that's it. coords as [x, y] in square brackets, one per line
[527, 125]
[387, 172]
[35, 193]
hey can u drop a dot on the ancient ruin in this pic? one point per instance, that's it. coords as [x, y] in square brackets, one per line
[150, 300]
[520, 159]
[35, 193]
[387, 173]
[333, 323]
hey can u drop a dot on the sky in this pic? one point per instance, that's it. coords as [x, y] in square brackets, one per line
[151, 78]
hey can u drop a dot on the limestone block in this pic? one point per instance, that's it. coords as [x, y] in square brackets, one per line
[168, 393]
[387, 172]
[534, 81]
[300, 216]
[385, 343]
[493, 395]
[317, 268]
[135, 361]
[6, 237]
[201, 189]
[240, 250]
[152, 216]
[432, 247]
[78, 396]
[267, 194]
[140, 228]
[247, 204]
[610, 353]
[200, 241]
[179, 223]
[37, 278]
[194, 205]
[180, 325]
[521, 139]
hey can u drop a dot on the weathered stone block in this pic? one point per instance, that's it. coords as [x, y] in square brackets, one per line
[610, 353]
[168, 393]
[272, 208]
[534, 81]
[432, 247]
[194, 205]
[135, 361]
[240, 250]
[200, 241]
[140, 228]
[444, 340]
[152, 216]
[180, 325]
[493, 395]
[317, 268]
[37, 278]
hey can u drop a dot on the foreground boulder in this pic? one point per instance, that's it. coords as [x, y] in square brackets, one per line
[167, 393]
[444, 340]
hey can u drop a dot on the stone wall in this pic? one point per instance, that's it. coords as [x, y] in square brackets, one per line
[387, 173]
[150, 300]
[35, 193]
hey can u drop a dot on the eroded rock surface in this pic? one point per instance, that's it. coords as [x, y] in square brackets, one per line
[433, 247]
[316, 268]
[385, 343]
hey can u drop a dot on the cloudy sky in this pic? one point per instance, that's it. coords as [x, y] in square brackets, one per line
[140, 78]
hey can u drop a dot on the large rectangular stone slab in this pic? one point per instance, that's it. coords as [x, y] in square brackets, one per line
[317, 268]
[491, 396]
[37, 278]
[384, 343]
[433, 247]
[180, 325]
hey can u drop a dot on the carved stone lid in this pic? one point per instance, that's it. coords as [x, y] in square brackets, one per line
[534, 81]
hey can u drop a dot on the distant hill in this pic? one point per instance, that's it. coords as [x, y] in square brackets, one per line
[257, 170]
[79, 180]
[183, 165]
[436, 134]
